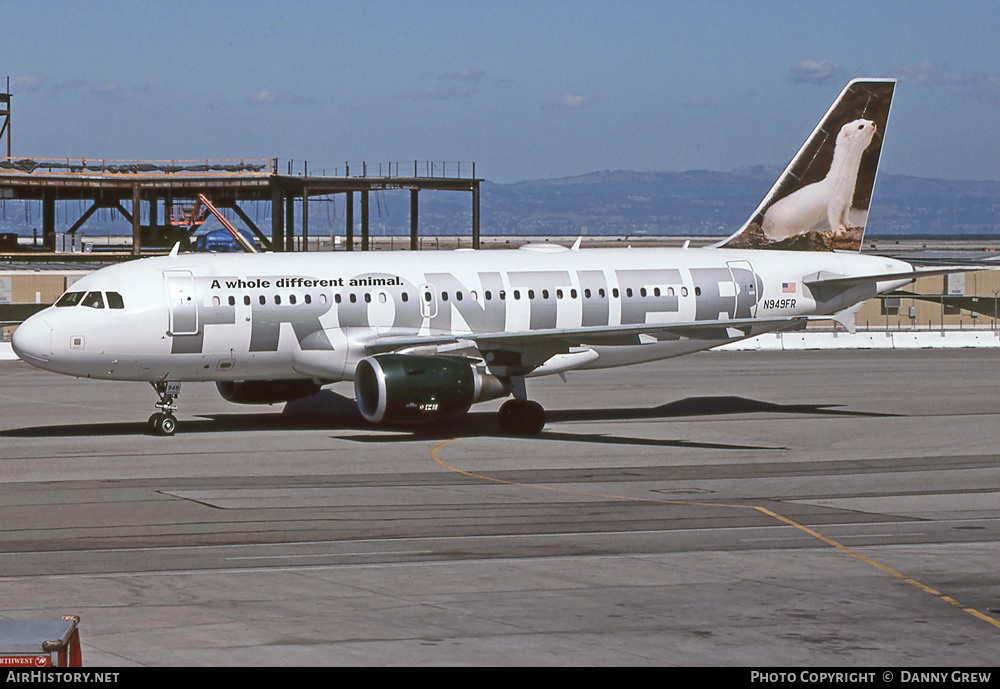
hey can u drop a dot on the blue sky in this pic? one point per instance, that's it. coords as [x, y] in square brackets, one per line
[525, 89]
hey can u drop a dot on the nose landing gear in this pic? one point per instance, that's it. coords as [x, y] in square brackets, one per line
[164, 422]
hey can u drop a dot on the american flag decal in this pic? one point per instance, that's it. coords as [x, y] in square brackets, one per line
[788, 288]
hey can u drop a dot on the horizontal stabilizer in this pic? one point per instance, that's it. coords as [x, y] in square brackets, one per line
[825, 279]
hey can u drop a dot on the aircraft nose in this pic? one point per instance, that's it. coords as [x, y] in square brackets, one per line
[32, 341]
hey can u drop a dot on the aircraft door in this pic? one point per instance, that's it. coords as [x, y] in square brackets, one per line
[428, 301]
[747, 289]
[182, 302]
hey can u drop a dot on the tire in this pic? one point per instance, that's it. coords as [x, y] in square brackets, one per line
[532, 418]
[507, 416]
[166, 424]
[521, 418]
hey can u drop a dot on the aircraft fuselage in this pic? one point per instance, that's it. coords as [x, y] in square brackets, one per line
[219, 317]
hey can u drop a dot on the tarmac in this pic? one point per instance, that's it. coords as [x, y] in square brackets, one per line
[755, 508]
[824, 339]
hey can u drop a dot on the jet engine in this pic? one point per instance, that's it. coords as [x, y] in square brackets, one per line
[266, 391]
[407, 388]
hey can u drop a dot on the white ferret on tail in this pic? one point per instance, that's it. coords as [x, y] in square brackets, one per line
[831, 197]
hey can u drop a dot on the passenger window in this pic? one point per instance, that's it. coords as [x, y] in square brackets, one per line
[246, 300]
[545, 294]
[614, 292]
[381, 297]
[628, 292]
[263, 300]
[406, 296]
[368, 297]
[444, 296]
[309, 299]
[70, 299]
[559, 294]
[94, 300]
[586, 293]
[642, 291]
[216, 301]
[291, 298]
[232, 300]
[354, 298]
[277, 299]
[336, 298]
[697, 291]
[115, 301]
[572, 293]
[517, 294]
[489, 295]
[458, 296]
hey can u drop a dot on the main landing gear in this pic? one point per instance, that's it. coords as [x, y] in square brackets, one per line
[164, 422]
[521, 416]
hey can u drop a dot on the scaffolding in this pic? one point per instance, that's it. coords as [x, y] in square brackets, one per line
[137, 188]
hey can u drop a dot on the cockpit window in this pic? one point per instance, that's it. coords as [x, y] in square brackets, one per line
[94, 300]
[70, 299]
[115, 301]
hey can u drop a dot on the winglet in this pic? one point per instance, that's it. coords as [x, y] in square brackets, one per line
[846, 317]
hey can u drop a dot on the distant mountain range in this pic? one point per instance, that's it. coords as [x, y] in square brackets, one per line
[621, 202]
[694, 202]
[700, 202]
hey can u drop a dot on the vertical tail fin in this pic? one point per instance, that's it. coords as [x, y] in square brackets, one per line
[821, 201]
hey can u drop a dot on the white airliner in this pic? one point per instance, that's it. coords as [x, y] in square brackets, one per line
[425, 335]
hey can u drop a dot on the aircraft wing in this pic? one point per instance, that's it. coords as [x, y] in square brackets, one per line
[714, 329]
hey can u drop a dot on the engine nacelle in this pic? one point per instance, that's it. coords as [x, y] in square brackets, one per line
[407, 388]
[265, 391]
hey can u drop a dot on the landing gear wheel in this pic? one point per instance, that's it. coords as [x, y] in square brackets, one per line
[163, 424]
[521, 417]
[167, 425]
